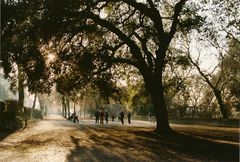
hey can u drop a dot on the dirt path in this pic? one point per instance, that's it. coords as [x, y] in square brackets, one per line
[56, 140]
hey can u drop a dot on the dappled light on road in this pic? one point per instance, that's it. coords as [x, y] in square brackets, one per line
[56, 139]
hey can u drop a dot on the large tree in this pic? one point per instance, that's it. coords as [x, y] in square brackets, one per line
[136, 33]
[103, 33]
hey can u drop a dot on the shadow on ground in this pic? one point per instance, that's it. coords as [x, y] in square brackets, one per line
[141, 144]
[3, 135]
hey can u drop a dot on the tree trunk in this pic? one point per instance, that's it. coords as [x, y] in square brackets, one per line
[74, 108]
[68, 108]
[63, 107]
[20, 91]
[222, 107]
[216, 91]
[34, 104]
[34, 101]
[41, 103]
[45, 110]
[155, 88]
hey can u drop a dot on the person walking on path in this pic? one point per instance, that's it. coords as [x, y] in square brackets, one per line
[122, 116]
[150, 117]
[75, 118]
[106, 116]
[97, 114]
[129, 117]
[101, 117]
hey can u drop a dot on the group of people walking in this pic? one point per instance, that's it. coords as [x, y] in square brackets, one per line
[101, 115]
[121, 117]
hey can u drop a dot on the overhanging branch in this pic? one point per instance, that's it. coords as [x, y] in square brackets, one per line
[177, 9]
[135, 51]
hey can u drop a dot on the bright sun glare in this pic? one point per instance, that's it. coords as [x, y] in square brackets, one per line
[50, 57]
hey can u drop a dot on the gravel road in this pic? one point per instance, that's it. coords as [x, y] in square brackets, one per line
[56, 140]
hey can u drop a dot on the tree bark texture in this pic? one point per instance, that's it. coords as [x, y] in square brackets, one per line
[221, 104]
[156, 90]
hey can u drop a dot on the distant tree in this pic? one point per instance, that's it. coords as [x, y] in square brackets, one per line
[231, 78]
[225, 20]
[214, 84]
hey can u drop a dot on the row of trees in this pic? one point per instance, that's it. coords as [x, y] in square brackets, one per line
[102, 45]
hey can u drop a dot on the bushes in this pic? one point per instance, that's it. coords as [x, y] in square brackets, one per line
[8, 117]
[10, 120]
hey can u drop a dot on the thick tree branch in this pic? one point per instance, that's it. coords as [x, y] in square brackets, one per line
[177, 9]
[151, 4]
[135, 51]
[152, 13]
[148, 54]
